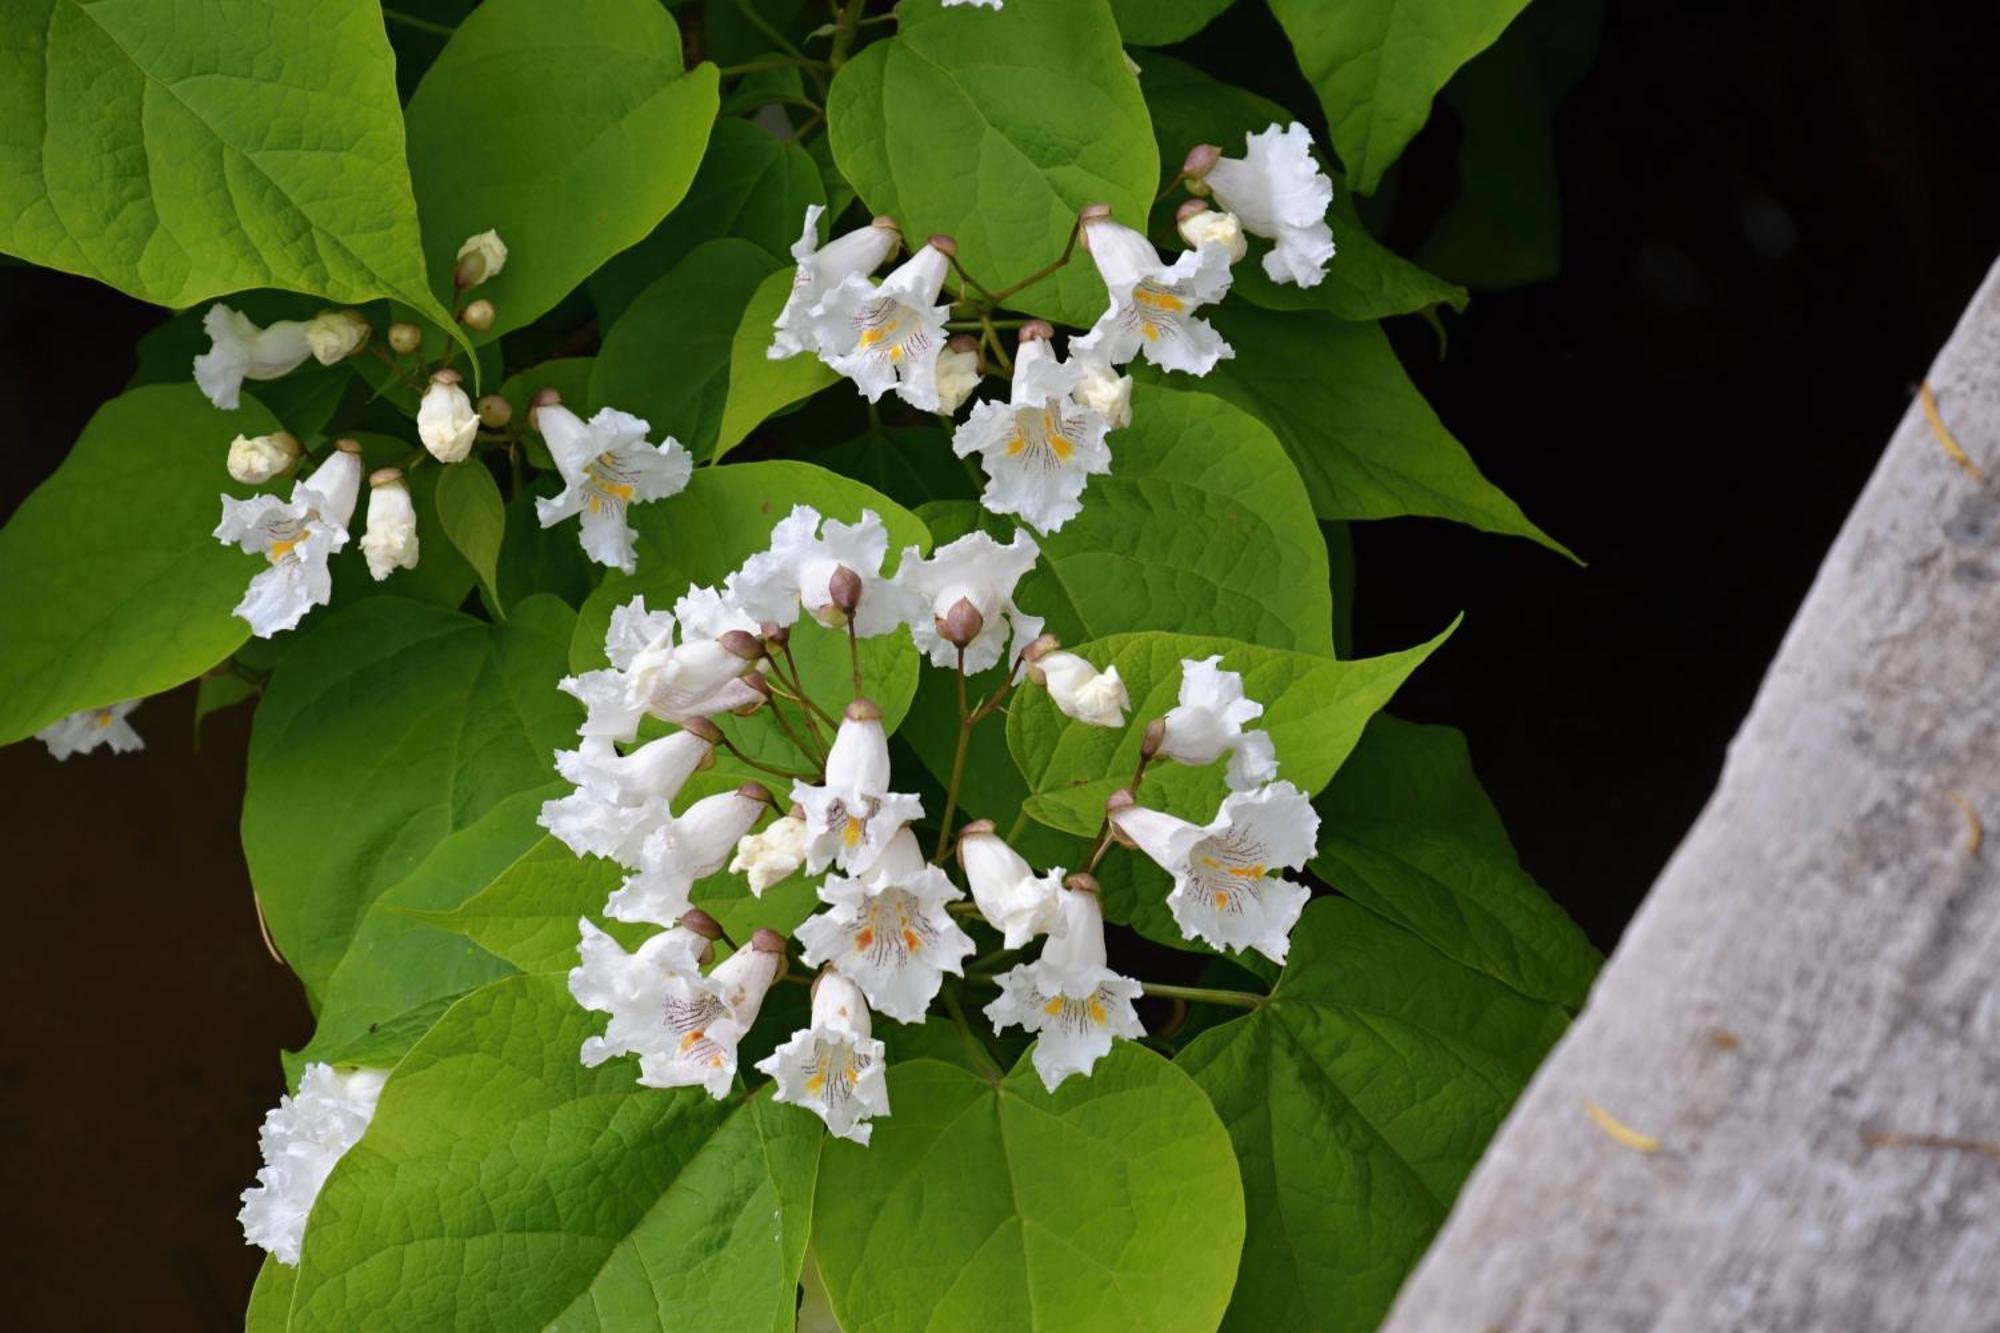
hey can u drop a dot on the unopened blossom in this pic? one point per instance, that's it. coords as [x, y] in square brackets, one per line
[851, 817]
[335, 335]
[832, 570]
[390, 540]
[653, 675]
[80, 733]
[964, 599]
[635, 988]
[1014, 900]
[985, 4]
[890, 931]
[957, 372]
[1068, 998]
[1104, 391]
[706, 1018]
[479, 258]
[607, 465]
[888, 337]
[833, 1067]
[1153, 304]
[688, 847]
[772, 854]
[239, 350]
[1208, 723]
[296, 536]
[621, 799]
[301, 1139]
[256, 459]
[1227, 889]
[1278, 191]
[446, 422]
[820, 270]
[1080, 690]
[1041, 447]
[1201, 225]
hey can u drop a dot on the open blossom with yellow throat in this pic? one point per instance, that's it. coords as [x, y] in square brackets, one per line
[607, 466]
[1041, 447]
[890, 930]
[1153, 304]
[1074, 1004]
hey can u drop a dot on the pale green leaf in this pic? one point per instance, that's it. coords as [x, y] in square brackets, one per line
[1164, 22]
[474, 517]
[528, 914]
[759, 386]
[271, 1298]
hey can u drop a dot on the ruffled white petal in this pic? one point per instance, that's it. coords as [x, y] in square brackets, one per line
[797, 571]
[301, 1140]
[680, 851]
[1279, 192]
[833, 1068]
[1153, 305]
[890, 932]
[820, 270]
[888, 337]
[773, 855]
[239, 350]
[1073, 1004]
[1081, 691]
[979, 570]
[80, 733]
[1208, 723]
[607, 466]
[1012, 898]
[1042, 447]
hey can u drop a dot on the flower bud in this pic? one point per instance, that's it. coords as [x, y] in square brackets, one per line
[494, 411]
[1156, 735]
[759, 686]
[774, 634]
[943, 244]
[743, 644]
[390, 542]
[335, 335]
[1081, 883]
[478, 315]
[1034, 652]
[767, 940]
[255, 459]
[405, 337]
[543, 398]
[957, 372]
[961, 624]
[843, 590]
[1036, 330]
[1107, 393]
[348, 446]
[862, 710]
[480, 258]
[754, 791]
[1090, 213]
[1200, 160]
[446, 422]
[702, 727]
[1201, 225]
[1116, 801]
[704, 925]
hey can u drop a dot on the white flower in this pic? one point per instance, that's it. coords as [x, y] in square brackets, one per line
[301, 1139]
[857, 254]
[706, 1019]
[981, 573]
[239, 350]
[1042, 446]
[804, 567]
[1209, 724]
[620, 799]
[850, 820]
[1014, 900]
[446, 422]
[637, 989]
[1072, 1002]
[1279, 192]
[1080, 690]
[297, 537]
[1201, 225]
[335, 335]
[390, 542]
[1226, 889]
[1104, 391]
[255, 459]
[890, 931]
[1153, 304]
[685, 848]
[480, 258]
[652, 675]
[774, 854]
[957, 372]
[80, 733]
[888, 337]
[987, 4]
[607, 466]
[832, 1067]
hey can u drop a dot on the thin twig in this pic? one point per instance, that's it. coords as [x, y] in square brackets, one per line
[420, 24]
[957, 767]
[1943, 432]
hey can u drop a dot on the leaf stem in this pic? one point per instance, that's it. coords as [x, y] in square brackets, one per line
[1235, 999]
[1076, 230]
[770, 62]
[965, 720]
[854, 656]
[981, 1057]
[798, 683]
[420, 24]
[760, 765]
[844, 29]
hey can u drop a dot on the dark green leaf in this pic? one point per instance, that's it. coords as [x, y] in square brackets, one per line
[474, 517]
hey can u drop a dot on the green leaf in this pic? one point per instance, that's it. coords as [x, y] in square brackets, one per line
[1363, 438]
[1406, 832]
[1358, 1098]
[215, 693]
[688, 321]
[912, 465]
[528, 914]
[1164, 22]
[752, 185]
[271, 1298]
[1366, 280]
[569, 130]
[303, 401]
[537, 559]
[996, 128]
[473, 515]
[1314, 709]
[177, 159]
[1110, 1204]
[503, 1185]
[441, 577]
[112, 585]
[391, 726]
[1376, 65]
[759, 386]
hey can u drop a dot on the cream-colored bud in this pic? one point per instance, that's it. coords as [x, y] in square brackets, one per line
[494, 411]
[957, 372]
[405, 337]
[478, 315]
[446, 422]
[480, 258]
[1201, 225]
[255, 459]
[335, 335]
[390, 543]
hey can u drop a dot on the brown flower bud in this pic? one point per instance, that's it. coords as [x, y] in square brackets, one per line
[961, 624]
[862, 710]
[1200, 160]
[543, 398]
[755, 680]
[446, 376]
[1191, 208]
[775, 634]
[844, 589]
[1081, 883]
[943, 244]
[754, 791]
[977, 828]
[1037, 331]
[382, 476]
[743, 643]
[767, 940]
[405, 337]
[701, 923]
[478, 315]
[494, 411]
[1155, 737]
[702, 727]
[1094, 213]
[348, 446]
[1116, 801]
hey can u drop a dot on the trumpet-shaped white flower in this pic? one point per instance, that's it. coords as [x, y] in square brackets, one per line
[446, 422]
[607, 466]
[980, 573]
[820, 270]
[1201, 225]
[479, 258]
[831, 569]
[852, 817]
[1014, 900]
[638, 989]
[301, 1139]
[767, 857]
[1153, 304]
[957, 372]
[1080, 690]
[255, 459]
[1279, 192]
[1042, 446]
[707, 1017]
[1226, 887]
[652, 675]
[688, 847]
[621, 799]
[296, 536]
[1208, 723]
[390, 542]
[239, 350]
[833, 1067]
[888, 337]
[1104, 391]
[335, 335]
[890, 931]
[80, 733]
[1068, 998]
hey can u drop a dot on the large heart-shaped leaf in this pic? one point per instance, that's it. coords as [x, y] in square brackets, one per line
[1164, 22]
[759, 386]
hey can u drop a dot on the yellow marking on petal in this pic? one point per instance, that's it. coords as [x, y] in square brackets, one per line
[869, 337]
[1211, 862]
[1151, 330]
[911, 942]
[1221, 902]
[279, 550]
[619, 489]
[1015, 446]
[1053, 1007]
[864, 939]
[691, 1040]
[1248, 872]
[596, 504]
[715, 1062]
[896, 353]
[851, 1077]
[105, 719]
[851, 835]
[1062, 446]
[816, 1082]
[1096, 1012]
[1619, 1131]
[1166, 301]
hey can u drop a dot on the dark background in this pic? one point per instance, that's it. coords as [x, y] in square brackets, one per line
[1773, 215]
